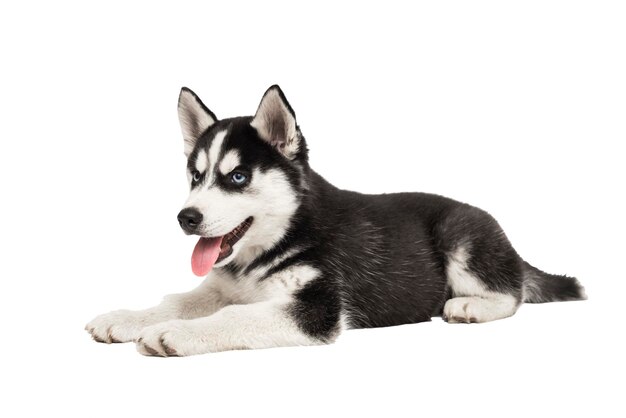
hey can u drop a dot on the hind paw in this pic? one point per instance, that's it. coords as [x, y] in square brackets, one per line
[459, 311]
[471, 309]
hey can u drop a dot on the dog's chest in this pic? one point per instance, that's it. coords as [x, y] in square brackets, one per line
[257, 287]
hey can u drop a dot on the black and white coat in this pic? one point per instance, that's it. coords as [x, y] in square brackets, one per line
[316, 260]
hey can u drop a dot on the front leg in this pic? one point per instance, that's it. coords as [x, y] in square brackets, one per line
[257, 325]
[124, 325]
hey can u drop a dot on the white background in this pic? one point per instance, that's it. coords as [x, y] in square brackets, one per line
[515, 107]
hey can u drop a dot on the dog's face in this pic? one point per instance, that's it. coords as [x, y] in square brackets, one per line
[245, 177]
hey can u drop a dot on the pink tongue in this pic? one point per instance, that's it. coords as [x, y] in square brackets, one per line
[204, 255]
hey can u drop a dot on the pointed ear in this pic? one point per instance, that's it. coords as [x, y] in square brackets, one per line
[194, 118]
[275, 122]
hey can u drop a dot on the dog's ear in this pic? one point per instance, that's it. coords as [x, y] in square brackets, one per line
[194, 117]
[275, 122]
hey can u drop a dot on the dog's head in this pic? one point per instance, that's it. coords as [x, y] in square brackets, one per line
[245, 176]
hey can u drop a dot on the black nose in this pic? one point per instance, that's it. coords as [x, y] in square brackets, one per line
[189, 219]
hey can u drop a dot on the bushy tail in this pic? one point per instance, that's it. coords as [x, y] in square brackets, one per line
[540, 287]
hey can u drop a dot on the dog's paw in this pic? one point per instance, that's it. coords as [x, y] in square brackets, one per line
[116, 327]
[174, 338]
[460, 311]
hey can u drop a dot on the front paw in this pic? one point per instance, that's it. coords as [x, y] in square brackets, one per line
[116, 327]
[169, 339]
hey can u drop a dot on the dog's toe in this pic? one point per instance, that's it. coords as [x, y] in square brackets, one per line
[168, 350]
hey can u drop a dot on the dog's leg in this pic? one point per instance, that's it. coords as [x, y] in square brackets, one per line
[482, 269]
[257, 325]
[124, 325]
[473, 301]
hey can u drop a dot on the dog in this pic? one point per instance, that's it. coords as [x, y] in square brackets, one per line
[291, 260]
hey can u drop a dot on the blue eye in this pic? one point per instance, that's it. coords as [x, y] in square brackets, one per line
[238, 178]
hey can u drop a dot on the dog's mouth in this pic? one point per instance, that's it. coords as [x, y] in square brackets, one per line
[211, 250]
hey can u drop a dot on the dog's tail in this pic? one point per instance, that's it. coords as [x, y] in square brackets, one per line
[540, 287]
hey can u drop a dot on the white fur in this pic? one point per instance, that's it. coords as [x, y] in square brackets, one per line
[201, 161]
[472, 301]
[214, 152]
[256, 325]
[479, 309]
[125, 325]
[229, 162]
[344, 321]
[273, 200]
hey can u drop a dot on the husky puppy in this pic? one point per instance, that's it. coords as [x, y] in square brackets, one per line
[290, 259]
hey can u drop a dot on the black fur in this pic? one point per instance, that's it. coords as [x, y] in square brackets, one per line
[544, 287]
[320, 320]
